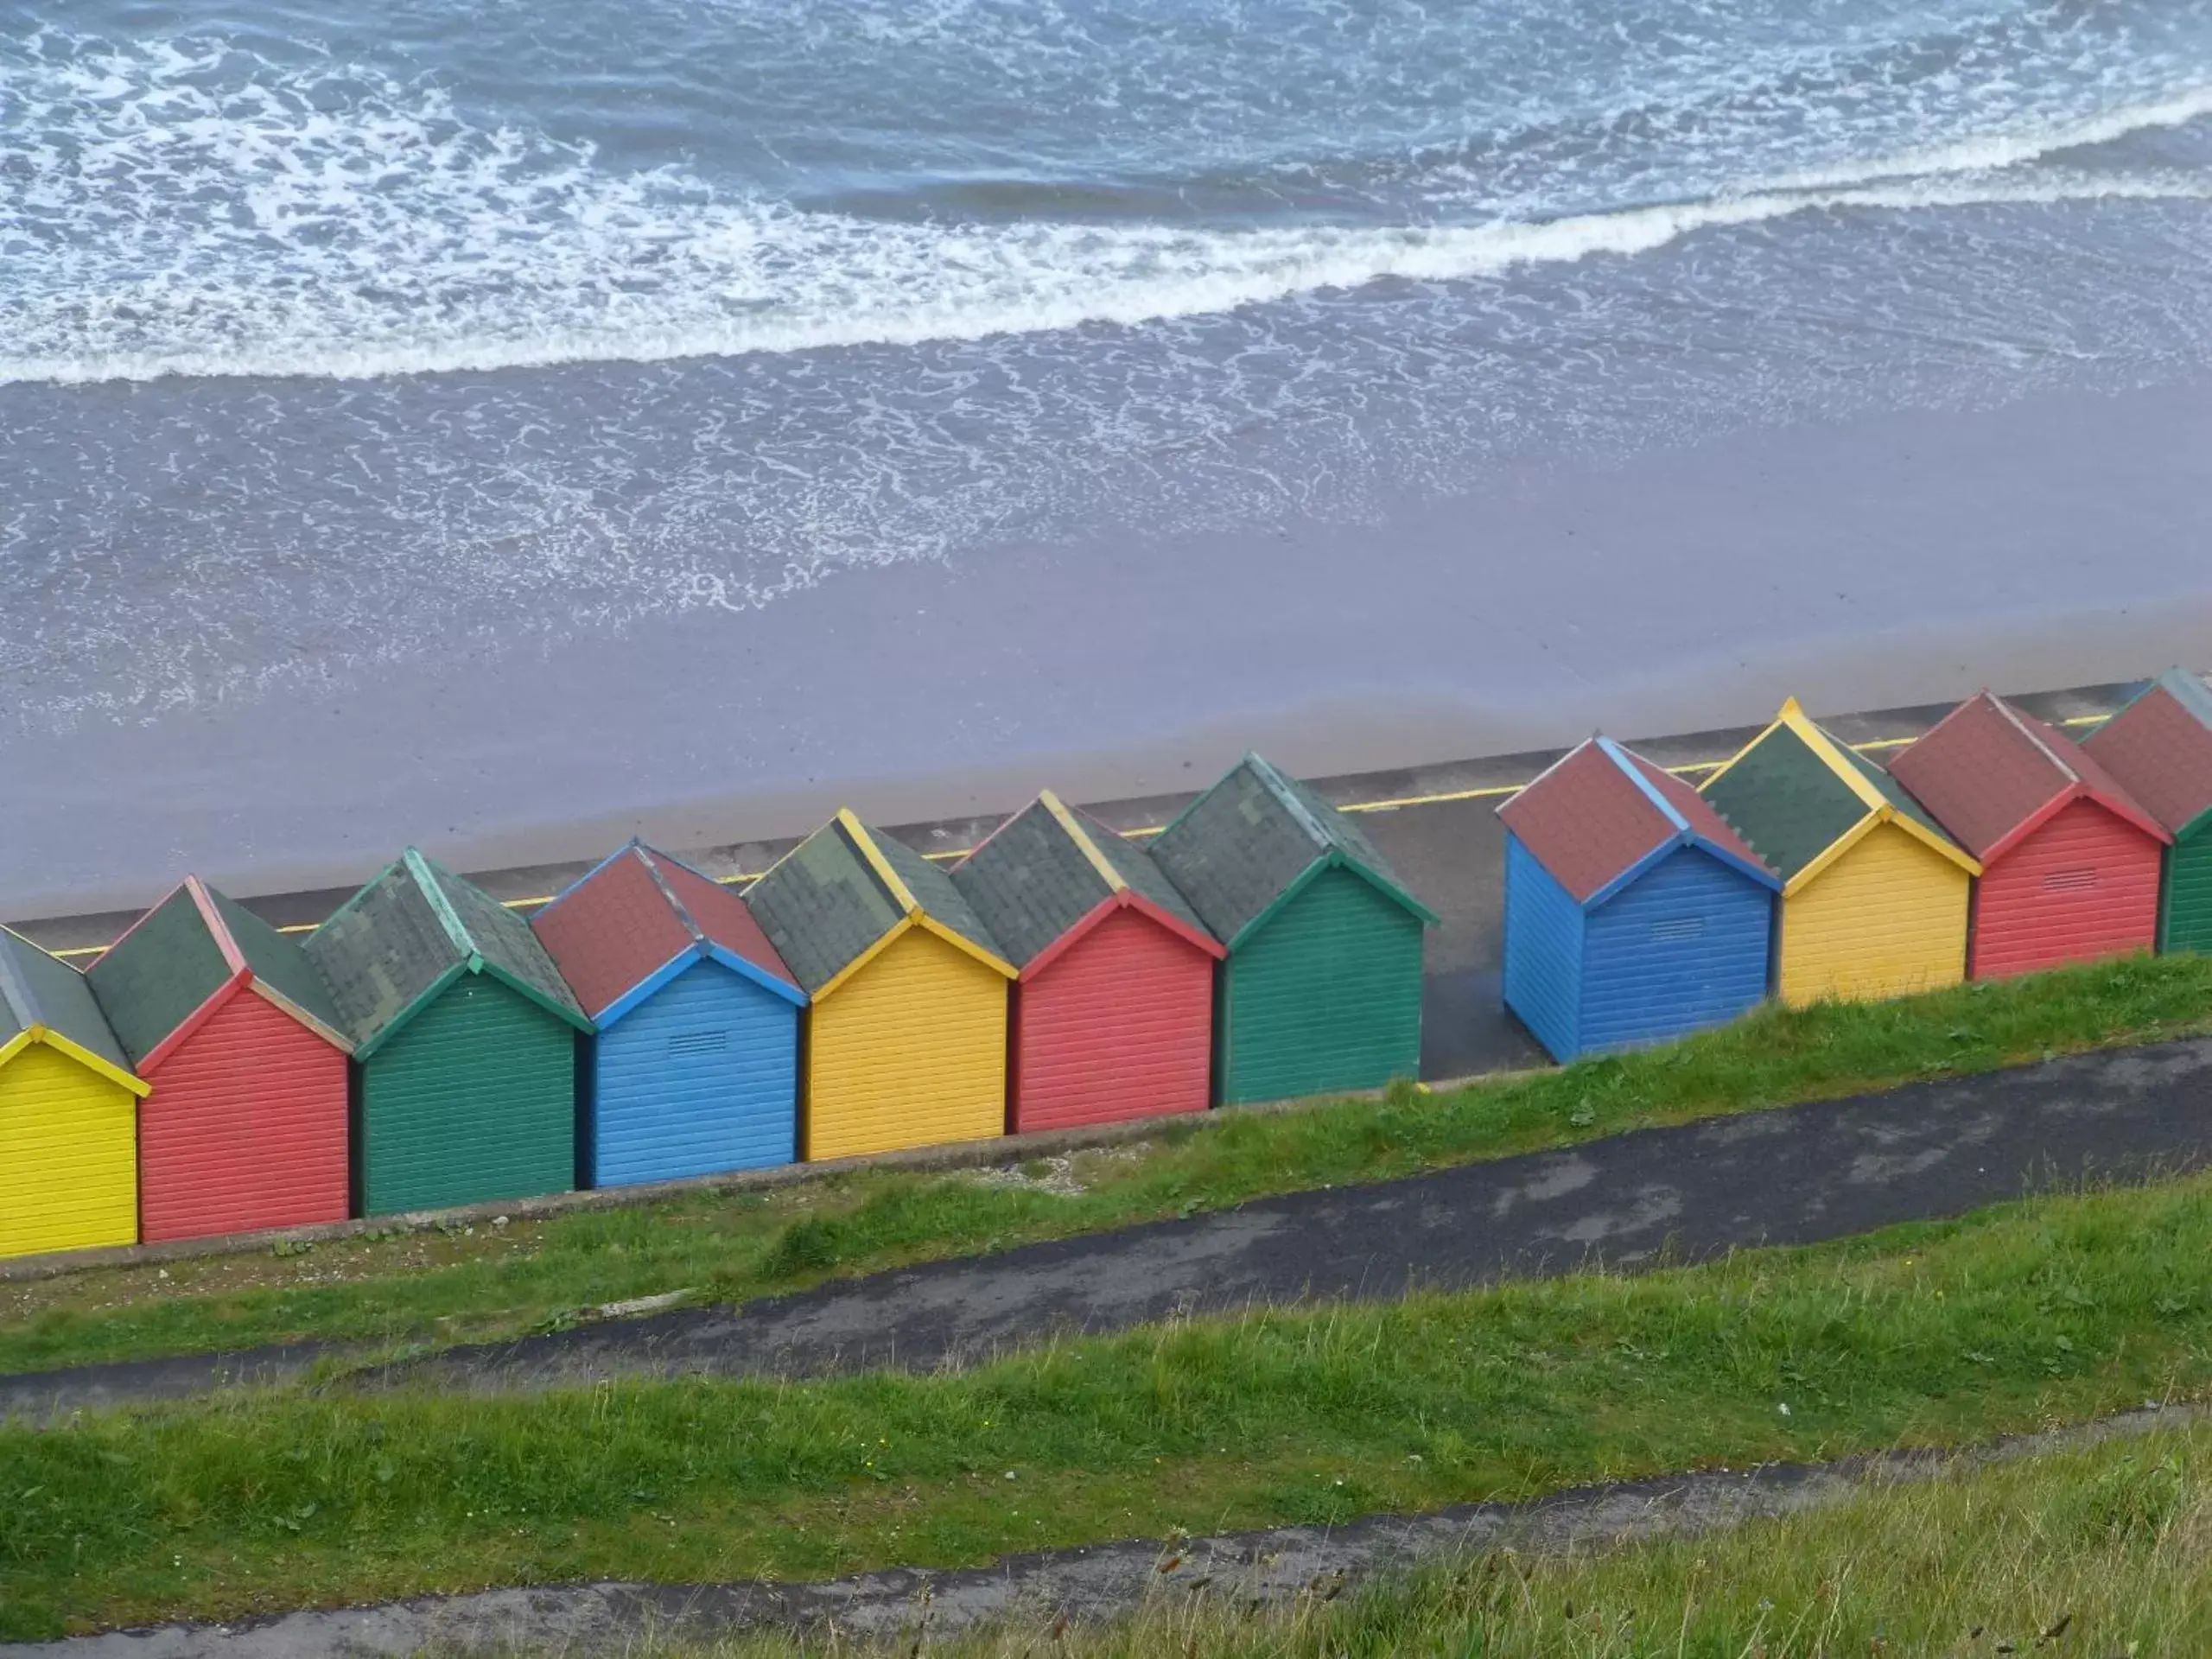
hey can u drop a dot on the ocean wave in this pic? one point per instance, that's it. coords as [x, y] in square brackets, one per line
[1040, 279]
[160, 216]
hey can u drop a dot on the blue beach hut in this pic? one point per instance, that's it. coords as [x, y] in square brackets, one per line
[695, 1068]
[1633, 913]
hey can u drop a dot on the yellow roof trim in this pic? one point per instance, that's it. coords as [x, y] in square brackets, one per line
[951, 936]
[929, 924]
[907, 901]
[861, 839]
[1943, 844]
[90, 1061]
[1830, 853]
[911, 919]
[1077, 833]
[1867, 826]
[1883, 808]
[1824, 745]
[16, 1044]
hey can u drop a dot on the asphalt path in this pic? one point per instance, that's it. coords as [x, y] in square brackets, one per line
[1438, 824]
[1796, 1174]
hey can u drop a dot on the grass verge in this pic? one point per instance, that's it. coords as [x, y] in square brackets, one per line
[2053, 1310]
[435, 1285]
[2101, 1551]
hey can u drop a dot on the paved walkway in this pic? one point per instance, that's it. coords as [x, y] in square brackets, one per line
[1792, 1175]
[1274, 1567]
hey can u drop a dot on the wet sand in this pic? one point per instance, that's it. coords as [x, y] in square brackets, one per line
[2059, 540]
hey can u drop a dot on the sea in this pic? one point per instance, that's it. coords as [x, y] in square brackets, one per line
[338, 338]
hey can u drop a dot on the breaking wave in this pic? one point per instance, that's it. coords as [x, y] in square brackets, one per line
[165, 212]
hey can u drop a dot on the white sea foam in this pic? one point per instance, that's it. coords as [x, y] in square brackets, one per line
[160, 215]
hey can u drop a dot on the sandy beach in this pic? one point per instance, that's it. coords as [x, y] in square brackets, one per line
[2059, 539]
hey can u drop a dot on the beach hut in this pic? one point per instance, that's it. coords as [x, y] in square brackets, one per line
[906, 1031]
[464, 1042]
[2159, 749]
[1874, 895]
[224, 1016]
[2069, 860]
[694, 1067]
[1322, 986]
[68, 1111]
[1113, 1012]
[1633, 913]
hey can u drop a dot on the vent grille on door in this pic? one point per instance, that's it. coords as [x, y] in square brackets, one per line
[2070, 881]
[686, 1043]
[1673, 929]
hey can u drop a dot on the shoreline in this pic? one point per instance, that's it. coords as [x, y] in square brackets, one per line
[1887, 560]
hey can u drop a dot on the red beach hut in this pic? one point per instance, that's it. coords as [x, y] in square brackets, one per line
[246, 1125]
[2070, 860]
[1113, 1011]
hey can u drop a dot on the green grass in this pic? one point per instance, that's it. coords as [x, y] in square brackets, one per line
[440, 1286]
[2052, 1310]
[2102, 1551]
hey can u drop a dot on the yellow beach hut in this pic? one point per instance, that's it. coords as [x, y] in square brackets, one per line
[906, 1034]
[1874, 895]
[68, 1111]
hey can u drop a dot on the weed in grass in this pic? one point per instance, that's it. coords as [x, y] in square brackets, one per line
[448, 1284]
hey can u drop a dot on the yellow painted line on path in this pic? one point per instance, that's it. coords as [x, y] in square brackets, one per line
[1444, 798]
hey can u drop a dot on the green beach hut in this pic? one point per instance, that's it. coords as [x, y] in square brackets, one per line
[2159, 750]
[465, 1043]
[1322, 986]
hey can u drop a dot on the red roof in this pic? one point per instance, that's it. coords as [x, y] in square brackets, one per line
[1704, 821]
[1990, 774]
[1587, 821]
[721, 915]
[636, 914]
[2161, 752]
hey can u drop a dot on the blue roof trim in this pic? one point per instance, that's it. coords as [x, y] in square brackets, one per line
[645, 987]
[681, 962]
[1659, 855]
[794, 995]
[1613, 752]
[1765, 878]
[1683, 836]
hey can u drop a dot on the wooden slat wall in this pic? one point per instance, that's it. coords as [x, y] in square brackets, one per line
[1120, 1025]
[1888, 919]
[246, 1128]
[911, 1051]
[68, 1156]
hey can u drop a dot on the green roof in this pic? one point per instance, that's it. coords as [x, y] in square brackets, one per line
[1031, 881]
[277, 961]
[37, 989]
[1781, 796]
[1243, 846]
[158, 975]
[933, 890]
[823, 906]
[411, 930]
[150, 981]
[503, 938]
